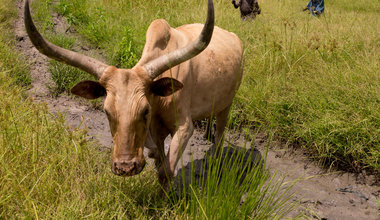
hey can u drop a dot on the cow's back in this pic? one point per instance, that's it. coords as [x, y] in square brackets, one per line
[215, 73]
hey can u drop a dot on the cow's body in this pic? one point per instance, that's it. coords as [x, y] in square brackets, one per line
[210, 82]
[210, 79]
[167, 89]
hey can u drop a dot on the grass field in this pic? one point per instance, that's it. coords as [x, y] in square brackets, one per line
[314, 81]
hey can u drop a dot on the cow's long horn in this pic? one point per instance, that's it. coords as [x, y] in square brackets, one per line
[165, 62]
[81, 61]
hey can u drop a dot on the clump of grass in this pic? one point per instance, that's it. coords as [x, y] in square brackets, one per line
[234, 184]
[92, 22]
[126, 55]
[64, 76]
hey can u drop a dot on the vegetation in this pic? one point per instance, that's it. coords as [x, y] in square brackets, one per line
[9, 61]
[251, 192]
[313, 80]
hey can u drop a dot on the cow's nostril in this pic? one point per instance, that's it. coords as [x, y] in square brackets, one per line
[127, 168]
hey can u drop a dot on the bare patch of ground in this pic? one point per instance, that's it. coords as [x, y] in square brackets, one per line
[331, 194]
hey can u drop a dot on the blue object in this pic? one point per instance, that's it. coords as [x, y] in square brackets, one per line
[316, 7]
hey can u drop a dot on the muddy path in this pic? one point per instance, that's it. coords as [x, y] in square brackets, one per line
[331, 194]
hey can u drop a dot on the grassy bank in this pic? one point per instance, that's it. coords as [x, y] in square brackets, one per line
[314, 81]
[50, 172]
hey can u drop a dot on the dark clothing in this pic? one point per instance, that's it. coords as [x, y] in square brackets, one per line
[316, 7]
[248, 8]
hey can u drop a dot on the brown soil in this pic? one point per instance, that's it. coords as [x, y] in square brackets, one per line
[330, 194]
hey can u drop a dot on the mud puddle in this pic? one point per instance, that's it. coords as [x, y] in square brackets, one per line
[330, 194]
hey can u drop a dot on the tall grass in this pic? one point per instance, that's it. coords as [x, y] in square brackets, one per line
[315, 81]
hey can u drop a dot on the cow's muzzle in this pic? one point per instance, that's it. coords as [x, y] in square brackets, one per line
[128, 168]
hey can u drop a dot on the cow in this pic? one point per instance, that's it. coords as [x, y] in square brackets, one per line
[186, 73]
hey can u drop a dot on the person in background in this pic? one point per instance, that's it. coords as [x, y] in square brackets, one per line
[248, 8]
[316, 7]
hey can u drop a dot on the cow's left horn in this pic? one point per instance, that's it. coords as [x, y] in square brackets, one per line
[81, 61]
[159, 65]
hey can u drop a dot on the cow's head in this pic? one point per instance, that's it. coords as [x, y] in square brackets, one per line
[128, 92]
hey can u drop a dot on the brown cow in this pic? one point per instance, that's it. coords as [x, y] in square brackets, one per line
[167, 89]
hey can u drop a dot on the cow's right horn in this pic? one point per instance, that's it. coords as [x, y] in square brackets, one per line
[85, 63]
[159, 65]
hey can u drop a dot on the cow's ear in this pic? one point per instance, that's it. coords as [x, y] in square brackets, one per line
[88, 89]
[165, 86]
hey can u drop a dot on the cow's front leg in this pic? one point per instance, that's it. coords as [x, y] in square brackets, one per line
[179, 141]
[155, 142]
[156, 149]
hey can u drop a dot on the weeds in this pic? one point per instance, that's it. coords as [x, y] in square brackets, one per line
[126, 55]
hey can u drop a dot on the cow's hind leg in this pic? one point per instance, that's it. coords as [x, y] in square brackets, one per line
[221, 121]
[208, 134]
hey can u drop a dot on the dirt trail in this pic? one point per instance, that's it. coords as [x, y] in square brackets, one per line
[332, 195]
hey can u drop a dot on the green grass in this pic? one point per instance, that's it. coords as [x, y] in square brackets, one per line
[314, 81]
[9, 61]
[220, 193]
